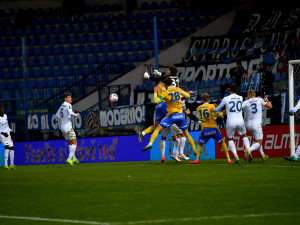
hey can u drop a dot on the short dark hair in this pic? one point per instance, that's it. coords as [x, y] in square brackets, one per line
[233, 87]
[173, 70]
[65, 95]
[168, 81]
[184, 88]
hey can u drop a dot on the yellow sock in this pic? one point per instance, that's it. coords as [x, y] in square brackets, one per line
[225, 149]
[191, 142]
[150, 129]
[199, 150]
[154, 136]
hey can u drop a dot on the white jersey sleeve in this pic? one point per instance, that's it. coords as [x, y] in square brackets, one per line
[296, 108]
[220, 106]
[65, 112]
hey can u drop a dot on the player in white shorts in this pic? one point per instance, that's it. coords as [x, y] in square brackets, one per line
[253, 120]
[235, 121]
[6, 141]
[64, 113]
[294, 157]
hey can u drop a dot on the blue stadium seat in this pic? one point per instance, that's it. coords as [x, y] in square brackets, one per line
[93, 59]
[107, 48]
[110, 17]
[169, 43]
[138, 46]
[67, 29]
[38, 51]
[101, 38]
[133, 57]
[140, 16]
[148, 46]
[112, 37]
[78, 49]
[53, 40]
[77, 29]
[154, 5]
[123, 58]
[7, 74]
[88, 49]
[130, 36]
[62, 40]
[86, 28]
[53, 61]
[73, 60]
[44, 40]
[18, 52]
[102, 59]
[58, 50]
[149, 16]
[48, 72]
[68, 50]
[59, 72]
[43, 61]
[116, 27]
[118, 47]
[159, 14]
[82, 60]
[112, 58]
[145, 6]
[120, 17]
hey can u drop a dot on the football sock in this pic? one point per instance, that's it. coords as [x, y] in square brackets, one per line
[232, 148]
[6, 157]
[12, 157]
[162, 147]
[191, 142]
[149, 130]
[225, 149]
[199, 150]
[261, 150]
[254, 146]
[297, 153]
[70, 152]
[175, 146]
[246, 143]
[181, 145]
[153, 136]
[73, 151]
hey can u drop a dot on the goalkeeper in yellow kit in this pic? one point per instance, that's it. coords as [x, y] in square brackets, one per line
[209, 127]
[172, 98]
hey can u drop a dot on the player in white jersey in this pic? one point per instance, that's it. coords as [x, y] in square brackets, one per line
[6, 140]
[253, 108]
[235, 121]
[294, 157]
[64, 113]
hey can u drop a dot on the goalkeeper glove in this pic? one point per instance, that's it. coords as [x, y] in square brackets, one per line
[291, 113]
[146, 75]
[156, 72]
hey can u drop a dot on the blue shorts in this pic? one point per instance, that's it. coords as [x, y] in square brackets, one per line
[177, 119]
[160, 111]
[209, 133]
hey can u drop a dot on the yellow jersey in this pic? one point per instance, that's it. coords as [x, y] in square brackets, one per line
[161, 87]
[206, 118]
[172, 99]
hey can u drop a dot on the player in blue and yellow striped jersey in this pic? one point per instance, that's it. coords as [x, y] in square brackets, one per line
[209, 127]
[175, 115]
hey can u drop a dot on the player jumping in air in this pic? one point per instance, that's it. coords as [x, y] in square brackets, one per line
[160, 109]
[65, 112]
[175, 115]
[235, 121]
[209, 127]
[253, 120]
[6, 140]
[294, 158]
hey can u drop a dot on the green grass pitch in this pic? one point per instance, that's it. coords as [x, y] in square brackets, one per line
[212, 192]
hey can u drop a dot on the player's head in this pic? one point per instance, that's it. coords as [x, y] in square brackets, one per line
[172, 70]
[205, 97]
[67, 97]
[168, 81]
[251, 94]
[2, 110]
[184, 88]
[233, 88]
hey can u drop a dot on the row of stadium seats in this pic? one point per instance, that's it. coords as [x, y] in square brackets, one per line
[103, 29]
[77, 60]
[110, 18]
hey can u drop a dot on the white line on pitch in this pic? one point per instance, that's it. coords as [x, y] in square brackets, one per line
[147, 221]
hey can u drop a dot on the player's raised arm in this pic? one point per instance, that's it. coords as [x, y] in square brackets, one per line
[220, 106]
[268, 104]
[295, 109]
[157, 99]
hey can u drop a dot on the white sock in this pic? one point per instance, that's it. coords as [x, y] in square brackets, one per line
[70, 152]
[181, 145]
[6, 157]
[246, 143]
[163, 147]
[261, 150]
[175, 146]
[232, 147]
[12, 157]
[297, 153]
[74, 151]
[254, 146]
